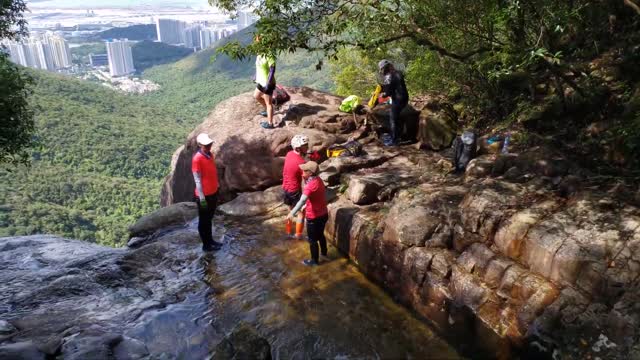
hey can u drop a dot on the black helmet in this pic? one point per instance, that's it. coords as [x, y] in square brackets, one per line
[383, 64]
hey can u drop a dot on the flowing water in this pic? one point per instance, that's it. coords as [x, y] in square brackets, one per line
[182, 303]
[329, 311]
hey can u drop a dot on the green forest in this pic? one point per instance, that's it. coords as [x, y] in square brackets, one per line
[98, 166]
[133, 32]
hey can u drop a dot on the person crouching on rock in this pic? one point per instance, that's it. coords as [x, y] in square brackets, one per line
[393, 85]
[317, 214]
[205, 175]
[265, 84]
[292, 180]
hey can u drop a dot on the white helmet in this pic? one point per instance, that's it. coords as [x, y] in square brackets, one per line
[204, 139]
[299, 140]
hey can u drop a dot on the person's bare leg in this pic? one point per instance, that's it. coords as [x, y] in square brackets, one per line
[259, 96]
[266, 99]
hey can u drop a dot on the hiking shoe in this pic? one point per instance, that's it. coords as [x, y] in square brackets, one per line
[217, 244]
[309, 262]
[210, 248]
[266, 125]
[325, 257]
[263, 113]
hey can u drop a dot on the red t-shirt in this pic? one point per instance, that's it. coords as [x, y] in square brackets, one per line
[291, 172]
[206, 166]
[316, 202]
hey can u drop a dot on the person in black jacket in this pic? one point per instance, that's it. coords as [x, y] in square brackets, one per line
[393, 85]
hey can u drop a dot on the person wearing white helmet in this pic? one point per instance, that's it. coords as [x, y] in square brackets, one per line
[393, 85]
[205, 175]
[292, 180]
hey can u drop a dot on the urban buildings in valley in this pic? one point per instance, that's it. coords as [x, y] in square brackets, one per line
[170, 31]
[47, 51]
[195, 35]
[192, 36]
[98, 60]
[120, 57]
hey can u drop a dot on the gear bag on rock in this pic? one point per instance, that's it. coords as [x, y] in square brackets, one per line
[350, 148]
[465, 150]
[280, 95]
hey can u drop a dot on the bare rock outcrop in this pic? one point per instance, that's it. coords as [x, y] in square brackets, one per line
[503, 250]
[518, 251]
[248, 157]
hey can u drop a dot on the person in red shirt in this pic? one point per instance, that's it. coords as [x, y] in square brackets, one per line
[205, 175]
[317, 213]
[292, 180]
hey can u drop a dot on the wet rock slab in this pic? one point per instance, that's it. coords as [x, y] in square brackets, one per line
[77, 300]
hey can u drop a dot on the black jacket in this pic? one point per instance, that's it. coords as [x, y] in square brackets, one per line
[393, 85]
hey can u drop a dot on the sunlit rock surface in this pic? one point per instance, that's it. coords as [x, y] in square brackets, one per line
[506, 253]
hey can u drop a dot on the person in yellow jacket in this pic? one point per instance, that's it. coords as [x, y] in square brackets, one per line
[265, 84]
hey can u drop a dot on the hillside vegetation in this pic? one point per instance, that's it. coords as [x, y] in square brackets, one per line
[133, 32]
[101, 158]
[149, 53]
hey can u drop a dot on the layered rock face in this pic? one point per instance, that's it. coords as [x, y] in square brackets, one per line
[512, 254]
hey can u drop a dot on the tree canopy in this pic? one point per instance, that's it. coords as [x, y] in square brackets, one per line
[16, 119]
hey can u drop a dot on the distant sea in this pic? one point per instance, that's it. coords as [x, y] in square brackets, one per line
[112, 4]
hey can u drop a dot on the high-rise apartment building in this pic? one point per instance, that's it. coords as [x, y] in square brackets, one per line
[208, 36]
[192, 36]
[48, 52]
[245, 19]
[120, 57]
[61, 55]
[171, 31]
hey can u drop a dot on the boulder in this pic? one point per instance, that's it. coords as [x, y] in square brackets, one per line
[437, 128]
[248, 157]
[176, 214]
[479, 167]
[379, 118]
[361, 191]
[257, 203]
[410, 227]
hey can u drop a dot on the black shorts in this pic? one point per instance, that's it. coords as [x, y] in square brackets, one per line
[268, 90]
[292, 198]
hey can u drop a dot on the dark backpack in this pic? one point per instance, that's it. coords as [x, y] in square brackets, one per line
[465, 150]
[280, 95]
